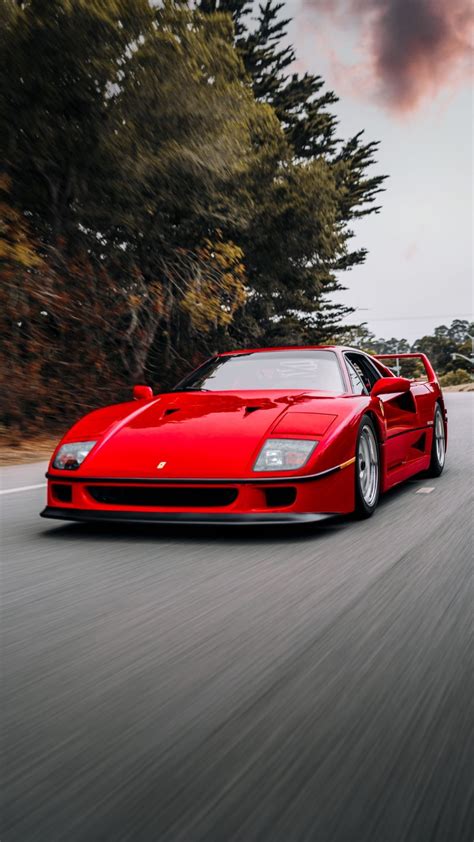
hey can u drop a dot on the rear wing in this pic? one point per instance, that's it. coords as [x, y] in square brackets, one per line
[430, 372]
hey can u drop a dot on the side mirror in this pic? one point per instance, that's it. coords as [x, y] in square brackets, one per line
[390, 386]
[142, 393]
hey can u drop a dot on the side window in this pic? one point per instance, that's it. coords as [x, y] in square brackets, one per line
[383, 370]
[368, 373]
[357, 383]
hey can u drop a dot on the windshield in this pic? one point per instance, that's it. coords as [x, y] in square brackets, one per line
[261, 370]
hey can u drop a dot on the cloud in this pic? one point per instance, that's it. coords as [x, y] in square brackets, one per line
[411, 250]
[414, 47]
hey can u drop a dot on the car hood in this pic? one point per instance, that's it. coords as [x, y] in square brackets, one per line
[201, 434]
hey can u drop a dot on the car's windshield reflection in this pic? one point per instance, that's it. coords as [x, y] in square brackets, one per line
[315, 370]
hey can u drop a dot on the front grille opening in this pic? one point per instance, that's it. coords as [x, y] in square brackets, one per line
[63, 493]
[278, 497]
[163, 497]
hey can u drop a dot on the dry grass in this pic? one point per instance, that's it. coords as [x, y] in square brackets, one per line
[463, 387]
[15, 451]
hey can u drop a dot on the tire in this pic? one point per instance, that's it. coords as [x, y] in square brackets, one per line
[438, 446]
[367, 469]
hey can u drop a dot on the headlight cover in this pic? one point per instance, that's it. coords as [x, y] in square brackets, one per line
[284, 454]
[71, 455]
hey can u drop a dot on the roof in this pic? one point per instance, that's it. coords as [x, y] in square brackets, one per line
[286, 348]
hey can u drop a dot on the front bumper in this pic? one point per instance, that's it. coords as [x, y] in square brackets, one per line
[288, 499]
[187, 518]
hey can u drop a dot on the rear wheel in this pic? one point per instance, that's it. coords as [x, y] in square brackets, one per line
[438, 447]
[367, 474]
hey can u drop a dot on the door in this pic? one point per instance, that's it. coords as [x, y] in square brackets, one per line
[400, 412]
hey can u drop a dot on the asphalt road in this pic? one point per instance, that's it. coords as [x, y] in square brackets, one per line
[283, 685]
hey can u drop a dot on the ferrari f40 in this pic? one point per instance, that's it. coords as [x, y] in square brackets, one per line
[254, 436]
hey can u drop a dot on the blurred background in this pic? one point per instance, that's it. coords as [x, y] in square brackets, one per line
[171, 184]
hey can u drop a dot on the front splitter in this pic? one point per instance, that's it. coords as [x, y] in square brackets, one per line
[169, 518]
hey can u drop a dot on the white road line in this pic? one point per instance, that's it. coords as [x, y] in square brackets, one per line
[424, 490]
[23, 488]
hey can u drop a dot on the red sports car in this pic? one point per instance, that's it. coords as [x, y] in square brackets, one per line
[255, 436]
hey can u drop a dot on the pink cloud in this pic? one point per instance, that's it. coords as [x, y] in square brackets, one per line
[412, 48]
[411, 250]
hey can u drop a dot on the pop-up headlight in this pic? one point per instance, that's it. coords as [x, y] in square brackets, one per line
[284, 454]
[70, 456]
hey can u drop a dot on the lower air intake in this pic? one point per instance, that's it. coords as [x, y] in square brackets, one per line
[62, 492]
[280, 497]
[163, 497]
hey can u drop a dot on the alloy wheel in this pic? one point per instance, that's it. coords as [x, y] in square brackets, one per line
[368, 465]
[440, 438]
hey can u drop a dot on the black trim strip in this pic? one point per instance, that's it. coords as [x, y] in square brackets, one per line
[225, 519]
[411, 430]
[194, 481]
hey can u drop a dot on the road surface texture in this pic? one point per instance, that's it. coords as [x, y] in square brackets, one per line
[172, 685]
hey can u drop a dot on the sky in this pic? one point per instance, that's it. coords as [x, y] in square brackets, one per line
[402, 70]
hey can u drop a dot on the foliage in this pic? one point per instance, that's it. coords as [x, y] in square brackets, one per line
[327, 187]
[168, 189]
[218, 287]
[16, 249]
[58, 61]
[439, 347]
[446, 341]
[72, 337]
[456, 377]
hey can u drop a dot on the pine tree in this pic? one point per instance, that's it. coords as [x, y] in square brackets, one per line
[294, 303]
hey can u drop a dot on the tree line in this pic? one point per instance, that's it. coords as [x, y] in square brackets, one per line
[169, 186]
[449, 347]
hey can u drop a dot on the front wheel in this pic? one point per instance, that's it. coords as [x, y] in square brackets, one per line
[438, 447]
[367, 474]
